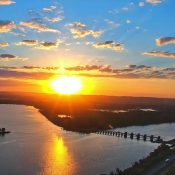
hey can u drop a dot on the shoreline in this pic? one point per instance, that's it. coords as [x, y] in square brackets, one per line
[85, 119]
[158, 161]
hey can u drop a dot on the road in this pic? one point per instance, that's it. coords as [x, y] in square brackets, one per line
[158, 168]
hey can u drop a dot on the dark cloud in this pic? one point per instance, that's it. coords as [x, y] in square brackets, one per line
[40, 44]
[133, 66]
[28, 42]
[9, 57]
[22, 74]
[86, 68]
[39, 68]
[48, 45]
[130, 71]
[109, 45]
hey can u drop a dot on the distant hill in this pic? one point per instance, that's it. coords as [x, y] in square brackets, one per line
[98, 101]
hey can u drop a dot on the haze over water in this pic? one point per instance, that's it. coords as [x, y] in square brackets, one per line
[37, 147]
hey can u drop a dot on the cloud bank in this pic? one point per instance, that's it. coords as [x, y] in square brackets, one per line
[127, 72]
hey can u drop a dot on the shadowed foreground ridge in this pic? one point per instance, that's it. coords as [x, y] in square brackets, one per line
[92, 113]
[155, 163]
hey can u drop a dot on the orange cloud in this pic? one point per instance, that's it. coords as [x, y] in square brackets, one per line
[160, 54]
[3, 44]
[34, 24]
[165, 41]
[154, 2]
[53, 20]
[78, 30]
[6, 26]
[81, 33]
[6, 2]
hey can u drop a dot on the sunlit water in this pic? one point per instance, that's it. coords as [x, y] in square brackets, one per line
[37, 147]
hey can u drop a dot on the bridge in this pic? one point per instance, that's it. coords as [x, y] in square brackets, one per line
[137, 136]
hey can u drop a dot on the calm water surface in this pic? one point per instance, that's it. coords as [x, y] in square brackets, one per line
[37, 147]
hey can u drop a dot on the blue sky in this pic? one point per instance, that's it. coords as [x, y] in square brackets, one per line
[115, 42]
[134, 24]
[78, 33]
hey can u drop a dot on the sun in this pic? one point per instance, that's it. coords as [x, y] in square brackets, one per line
[66, 85]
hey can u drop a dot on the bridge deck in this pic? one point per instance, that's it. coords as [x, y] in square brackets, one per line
[138, 136]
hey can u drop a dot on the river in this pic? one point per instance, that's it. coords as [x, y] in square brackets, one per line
[37, 147]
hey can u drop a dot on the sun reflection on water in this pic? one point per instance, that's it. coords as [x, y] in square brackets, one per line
[58, 160]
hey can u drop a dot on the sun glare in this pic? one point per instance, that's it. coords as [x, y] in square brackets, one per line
[67, 85]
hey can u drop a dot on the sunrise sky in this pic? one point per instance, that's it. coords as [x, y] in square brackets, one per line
[116, 47]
